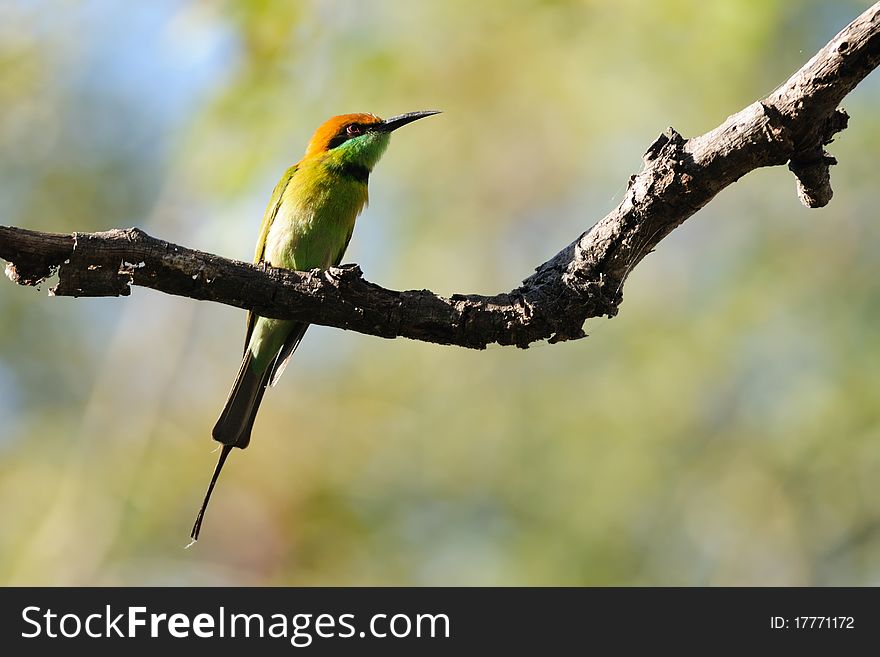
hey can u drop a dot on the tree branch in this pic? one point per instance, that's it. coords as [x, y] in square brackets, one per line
[792, 125]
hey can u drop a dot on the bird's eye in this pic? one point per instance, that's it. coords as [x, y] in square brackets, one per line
[353, 130]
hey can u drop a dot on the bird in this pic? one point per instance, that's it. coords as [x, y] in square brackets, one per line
[308, 224]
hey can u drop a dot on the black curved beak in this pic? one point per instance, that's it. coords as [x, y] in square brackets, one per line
[389, 125]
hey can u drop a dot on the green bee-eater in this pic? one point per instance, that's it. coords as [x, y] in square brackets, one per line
[308, 224]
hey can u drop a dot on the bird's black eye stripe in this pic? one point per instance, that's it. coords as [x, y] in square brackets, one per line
[338, 140]
[346, 133]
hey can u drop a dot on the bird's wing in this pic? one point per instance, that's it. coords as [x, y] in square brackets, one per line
[341, 253]
[271, 212]
[290, 344]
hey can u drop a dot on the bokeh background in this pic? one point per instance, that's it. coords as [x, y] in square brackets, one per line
[724, 429]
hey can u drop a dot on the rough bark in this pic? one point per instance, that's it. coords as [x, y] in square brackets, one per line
[792, 125]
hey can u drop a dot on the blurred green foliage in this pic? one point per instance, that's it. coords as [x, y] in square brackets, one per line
[724, 429]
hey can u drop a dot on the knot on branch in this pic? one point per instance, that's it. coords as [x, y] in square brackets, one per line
[343, 274]
[591, 293]
[835, 123]
[811, 169]
[668, 144]
[133, 234]
[811, 166]
[583, 296]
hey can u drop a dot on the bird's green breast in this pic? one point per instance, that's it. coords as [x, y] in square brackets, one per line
[316, 215]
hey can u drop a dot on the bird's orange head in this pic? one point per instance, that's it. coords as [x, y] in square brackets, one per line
[341, 129]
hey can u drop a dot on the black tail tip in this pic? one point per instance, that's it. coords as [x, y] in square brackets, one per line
[197, 526]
